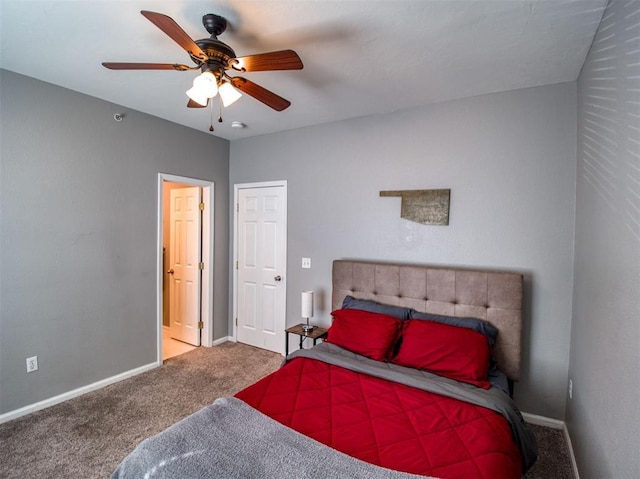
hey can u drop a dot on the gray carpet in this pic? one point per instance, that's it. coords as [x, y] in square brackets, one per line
[553, 455]
[88, 436]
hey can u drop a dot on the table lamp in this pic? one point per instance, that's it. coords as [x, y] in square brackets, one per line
[307, 310]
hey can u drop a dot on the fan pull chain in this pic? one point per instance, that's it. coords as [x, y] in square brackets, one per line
[220, 114]
[211, 123]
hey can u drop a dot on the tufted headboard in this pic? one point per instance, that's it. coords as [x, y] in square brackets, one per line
[490, 295]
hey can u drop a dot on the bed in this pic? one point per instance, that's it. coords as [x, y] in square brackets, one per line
[413, 380]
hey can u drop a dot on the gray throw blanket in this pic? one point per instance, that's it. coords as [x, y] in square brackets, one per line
[230, 440]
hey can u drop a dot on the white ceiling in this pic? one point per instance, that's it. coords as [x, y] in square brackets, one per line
[361, 57]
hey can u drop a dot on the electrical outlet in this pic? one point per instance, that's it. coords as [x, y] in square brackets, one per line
[32, 364]
[570, 389]
[306, 263]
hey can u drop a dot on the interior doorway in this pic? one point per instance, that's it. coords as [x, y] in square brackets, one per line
[184, 280]
[172, 347]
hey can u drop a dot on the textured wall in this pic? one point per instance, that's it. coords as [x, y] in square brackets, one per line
[509, 160]
[603, 416]
[78, 237]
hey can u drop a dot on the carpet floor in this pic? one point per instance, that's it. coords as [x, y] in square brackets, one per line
[88, 436]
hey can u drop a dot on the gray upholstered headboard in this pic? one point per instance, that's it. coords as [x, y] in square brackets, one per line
[490, 295]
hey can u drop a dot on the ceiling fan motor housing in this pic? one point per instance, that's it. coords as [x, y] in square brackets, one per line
[216, 50]
[221, 55]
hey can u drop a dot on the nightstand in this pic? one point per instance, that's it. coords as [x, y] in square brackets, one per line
[317, 333]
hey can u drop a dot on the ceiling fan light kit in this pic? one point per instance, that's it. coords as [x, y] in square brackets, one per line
[214, 59]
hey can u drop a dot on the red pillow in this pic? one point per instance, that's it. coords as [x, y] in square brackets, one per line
[457, 353]
[369, 334]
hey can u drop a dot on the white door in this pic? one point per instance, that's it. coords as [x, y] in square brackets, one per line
[184, 263]
[261, 280]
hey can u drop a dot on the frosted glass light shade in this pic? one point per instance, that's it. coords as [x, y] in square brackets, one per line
[204, 87]
[228, 94]
[307, 304]
[197, 96]
[207, 84]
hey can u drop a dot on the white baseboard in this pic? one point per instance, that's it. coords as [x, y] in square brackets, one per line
[75, 393]
[555, 424]
[224, 339]
[543, 421]
[85, 389]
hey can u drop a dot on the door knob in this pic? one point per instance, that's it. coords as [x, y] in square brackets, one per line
[170, 271]
[278, 278]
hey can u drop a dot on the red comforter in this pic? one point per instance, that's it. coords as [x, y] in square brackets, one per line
[388, 424]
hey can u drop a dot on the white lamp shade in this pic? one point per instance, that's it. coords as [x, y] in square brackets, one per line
[207, 84]
[197, 96]
[307, 304]
[228, 94]
[204, 87]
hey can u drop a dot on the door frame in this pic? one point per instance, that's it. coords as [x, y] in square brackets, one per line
[236, 192]
[206, 303]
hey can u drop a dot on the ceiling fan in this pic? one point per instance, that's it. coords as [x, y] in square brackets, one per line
[214, 59]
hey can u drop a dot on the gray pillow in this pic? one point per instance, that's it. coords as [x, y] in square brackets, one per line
[373, 307]
[478, 325]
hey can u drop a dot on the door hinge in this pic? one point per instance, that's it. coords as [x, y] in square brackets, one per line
[201, 206]
[236, 265]
[236, 321]
[237, 207]
[200, 324]
[201, 266]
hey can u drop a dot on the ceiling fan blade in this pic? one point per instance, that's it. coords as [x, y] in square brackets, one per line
[261, 94]
[145, 66]
[195, 104]
[281, 60]
[177, 34]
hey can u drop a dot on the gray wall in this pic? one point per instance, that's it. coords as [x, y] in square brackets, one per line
[509, 160]
[603, 417]
[78, 196]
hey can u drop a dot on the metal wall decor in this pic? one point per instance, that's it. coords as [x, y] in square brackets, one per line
[428, 207]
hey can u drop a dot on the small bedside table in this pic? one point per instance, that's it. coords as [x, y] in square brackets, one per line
[317, 333]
